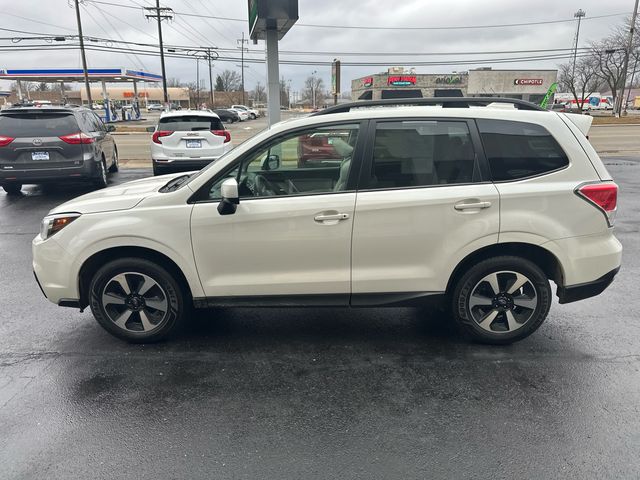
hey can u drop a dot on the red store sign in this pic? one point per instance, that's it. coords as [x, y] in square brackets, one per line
[367, 82]
[401, 80]
[528, 81]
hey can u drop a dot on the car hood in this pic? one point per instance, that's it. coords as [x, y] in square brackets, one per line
[119, 197]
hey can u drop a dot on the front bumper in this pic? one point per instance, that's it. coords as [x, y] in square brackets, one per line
[574, 293]
[51, 269]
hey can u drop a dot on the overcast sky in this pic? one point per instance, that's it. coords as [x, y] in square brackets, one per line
[57, 17]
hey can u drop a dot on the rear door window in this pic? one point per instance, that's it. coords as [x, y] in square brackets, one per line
[190, 123]
[37, 124]
[422, 153]
[518, 150]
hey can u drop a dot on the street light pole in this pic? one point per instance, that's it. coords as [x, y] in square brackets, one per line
[84, 57]
[242, 42]
[579, 14]
[197, 83]
[632, 28]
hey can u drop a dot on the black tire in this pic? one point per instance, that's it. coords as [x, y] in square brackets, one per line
[165, 325]
[101, 174]
[536, 292]
[159, 171]
[114, 164]
[252, 116]
[12, 188]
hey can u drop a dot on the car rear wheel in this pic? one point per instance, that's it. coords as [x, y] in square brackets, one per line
[12, 188]
[137, 300]
[501, 300]
[101, 179]
[114, 164]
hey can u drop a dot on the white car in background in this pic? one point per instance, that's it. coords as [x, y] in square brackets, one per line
[253, 113]
[243, 114]
[187, 140]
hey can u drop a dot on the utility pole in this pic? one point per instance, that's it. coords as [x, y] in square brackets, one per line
[579, 14]
[632, 28]
[160, 14]
[197, 83]
[313, 88]
[84, 57]
[210, 78]
[242, 49]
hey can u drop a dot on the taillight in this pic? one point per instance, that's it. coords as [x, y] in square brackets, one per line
[158, 134]
[77, 138]
[4, 141]
[602, 195]
[222, 133]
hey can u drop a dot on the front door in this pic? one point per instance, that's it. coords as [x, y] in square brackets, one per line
[289, 241]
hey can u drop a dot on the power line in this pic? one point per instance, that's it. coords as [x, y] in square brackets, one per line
[355, 27]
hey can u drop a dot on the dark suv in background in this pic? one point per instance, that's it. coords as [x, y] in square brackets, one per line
[53, 144]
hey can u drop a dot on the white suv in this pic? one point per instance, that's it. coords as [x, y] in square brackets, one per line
[187, 140]
[251, 112]
[480, 206]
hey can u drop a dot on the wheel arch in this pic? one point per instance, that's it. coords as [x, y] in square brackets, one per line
[542, 257]
[98, 259]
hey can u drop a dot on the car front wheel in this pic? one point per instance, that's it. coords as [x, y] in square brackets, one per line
[137, 300]
[501, 300]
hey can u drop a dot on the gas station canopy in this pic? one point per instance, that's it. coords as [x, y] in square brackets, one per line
[115, 75]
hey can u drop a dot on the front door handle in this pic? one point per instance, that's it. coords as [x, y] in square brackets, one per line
[472, 205]
[322, 217]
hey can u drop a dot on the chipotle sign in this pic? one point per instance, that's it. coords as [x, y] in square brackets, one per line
[528, 81]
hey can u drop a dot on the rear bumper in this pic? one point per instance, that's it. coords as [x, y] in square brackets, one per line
[574, 293]
[50, 174]
[182, 164]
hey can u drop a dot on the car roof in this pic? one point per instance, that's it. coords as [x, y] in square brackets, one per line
[44, 109]
[189, 112]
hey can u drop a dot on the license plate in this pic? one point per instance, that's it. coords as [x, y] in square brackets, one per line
[39, 155]
[194, 144]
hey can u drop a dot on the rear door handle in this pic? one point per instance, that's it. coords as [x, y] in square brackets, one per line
[469, 206]
[331, 216]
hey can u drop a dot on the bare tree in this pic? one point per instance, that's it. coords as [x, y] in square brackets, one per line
[583, 81]
[174, 82]
[259, 93]
[228, 81]
[314, 90]
[42, 87]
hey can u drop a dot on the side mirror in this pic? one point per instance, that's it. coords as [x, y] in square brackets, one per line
[230, 197]
[111, 128]
[272, 162]
[151, 129]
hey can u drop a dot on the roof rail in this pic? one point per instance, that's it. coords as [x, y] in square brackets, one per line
[446, 102]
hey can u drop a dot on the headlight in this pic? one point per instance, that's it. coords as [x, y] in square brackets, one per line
[54, 223]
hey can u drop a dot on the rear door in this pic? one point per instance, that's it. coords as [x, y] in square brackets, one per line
[36, 140]
[424, 202]
[194, 136]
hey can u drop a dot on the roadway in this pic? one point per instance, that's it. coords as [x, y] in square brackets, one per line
[316, 393]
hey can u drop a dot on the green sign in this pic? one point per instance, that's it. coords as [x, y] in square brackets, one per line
[547, 97]
[253, 15]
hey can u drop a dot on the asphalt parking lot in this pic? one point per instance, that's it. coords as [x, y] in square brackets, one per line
[321, 393]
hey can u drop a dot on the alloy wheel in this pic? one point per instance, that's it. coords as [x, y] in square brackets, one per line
[503, 301]
[135, 302]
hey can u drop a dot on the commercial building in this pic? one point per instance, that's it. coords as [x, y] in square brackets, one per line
[397, 82]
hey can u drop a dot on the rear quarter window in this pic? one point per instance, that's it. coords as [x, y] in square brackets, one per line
[37, 124]
[190, 123]
[518, 150]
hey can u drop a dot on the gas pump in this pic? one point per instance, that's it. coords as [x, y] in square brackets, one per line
[107, 104]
